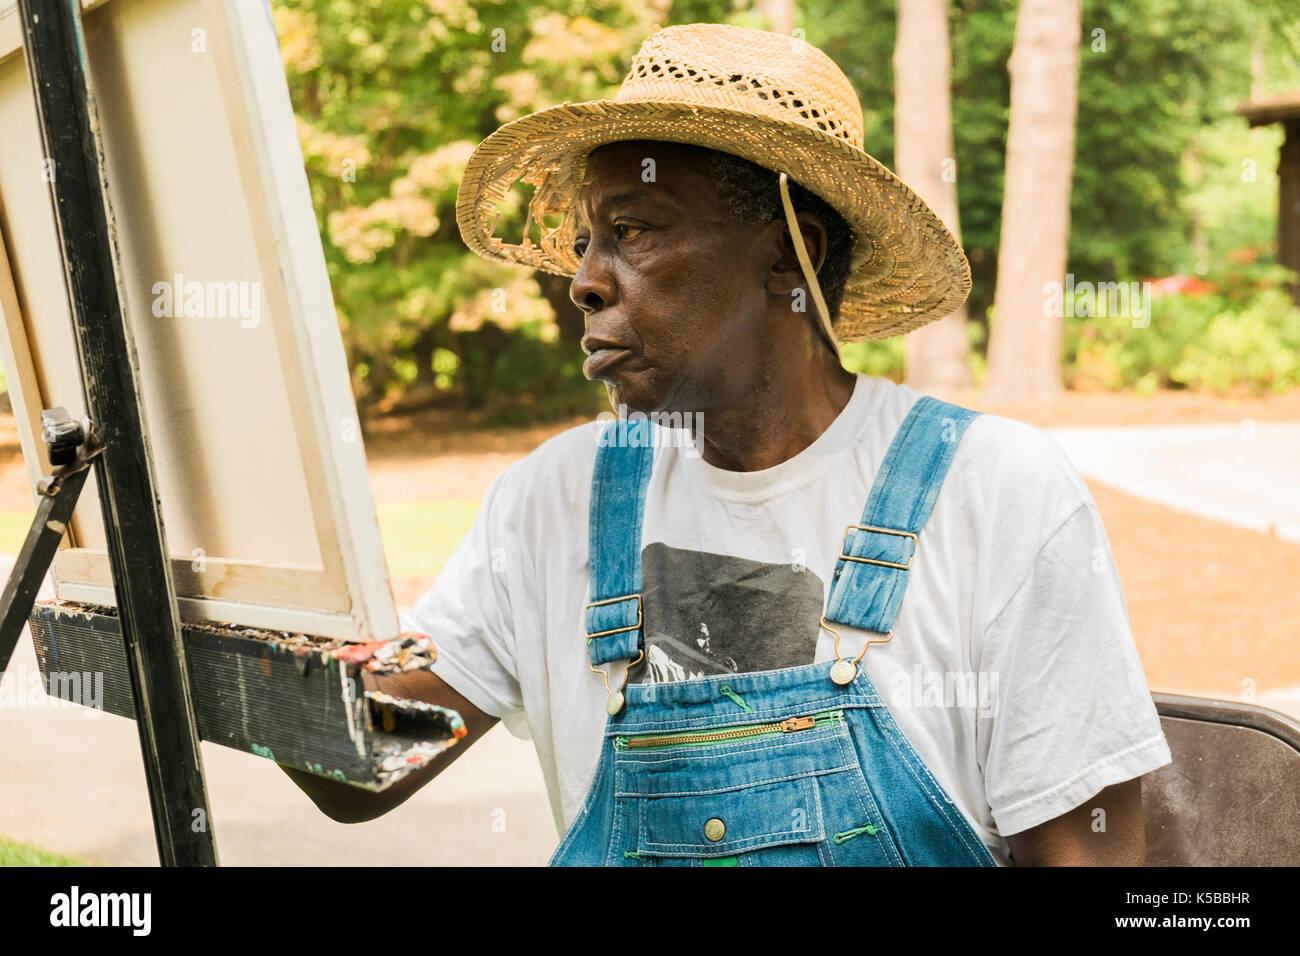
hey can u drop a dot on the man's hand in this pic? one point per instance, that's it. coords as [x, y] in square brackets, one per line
[348, 804]
[1076, 838]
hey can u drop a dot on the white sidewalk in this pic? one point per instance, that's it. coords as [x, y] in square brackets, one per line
[1246, 474]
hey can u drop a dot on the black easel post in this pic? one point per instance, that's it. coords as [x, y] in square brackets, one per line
[137, 548]
[72, 446]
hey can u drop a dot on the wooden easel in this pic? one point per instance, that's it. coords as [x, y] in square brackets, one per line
[113, 441]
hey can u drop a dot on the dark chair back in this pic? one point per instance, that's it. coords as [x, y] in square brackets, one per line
[1231, 797]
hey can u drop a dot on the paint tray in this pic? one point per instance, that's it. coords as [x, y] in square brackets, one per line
[293, 698]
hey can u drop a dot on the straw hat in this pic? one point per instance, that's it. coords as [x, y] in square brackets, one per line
[772, 99]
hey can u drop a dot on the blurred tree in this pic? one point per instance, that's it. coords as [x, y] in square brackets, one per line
[937, 355]
[391, 97]
[1163, 71]
[393, 94]
[1025, 340]
[779, 14]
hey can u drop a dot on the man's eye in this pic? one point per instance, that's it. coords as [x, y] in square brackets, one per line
[580, 247]
[627, 231]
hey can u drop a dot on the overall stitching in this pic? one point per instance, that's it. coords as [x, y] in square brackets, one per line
[870, 809]
[939, 799]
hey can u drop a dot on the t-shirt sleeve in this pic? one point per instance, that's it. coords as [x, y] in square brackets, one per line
[469, 614]
[1074, 711]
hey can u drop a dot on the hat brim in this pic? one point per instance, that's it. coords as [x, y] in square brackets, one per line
[907, 269]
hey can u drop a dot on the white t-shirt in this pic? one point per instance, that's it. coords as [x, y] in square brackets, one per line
[1012, 670]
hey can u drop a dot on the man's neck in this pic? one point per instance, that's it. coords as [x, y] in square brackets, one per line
[788, 410]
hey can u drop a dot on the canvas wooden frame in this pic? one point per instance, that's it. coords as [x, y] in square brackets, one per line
[262, 570]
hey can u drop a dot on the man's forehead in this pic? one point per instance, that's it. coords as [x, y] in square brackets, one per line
[642, 169]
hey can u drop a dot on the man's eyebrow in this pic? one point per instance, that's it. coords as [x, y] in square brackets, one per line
[636, 196]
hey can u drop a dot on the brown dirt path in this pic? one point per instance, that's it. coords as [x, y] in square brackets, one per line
[1212, 606]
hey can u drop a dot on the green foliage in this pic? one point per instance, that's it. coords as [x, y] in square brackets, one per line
[14, 526]
[20, 854]
[1232, 197]
[1244, 336]
[391, 97]
[420, 535]
[883, 359]
[1257, 347]
[1107, 351]
[521, 376]
[1158, 185]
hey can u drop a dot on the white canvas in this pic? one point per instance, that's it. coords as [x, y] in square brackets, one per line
[261, 471]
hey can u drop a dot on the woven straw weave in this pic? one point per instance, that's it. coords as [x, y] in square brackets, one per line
[769, 98]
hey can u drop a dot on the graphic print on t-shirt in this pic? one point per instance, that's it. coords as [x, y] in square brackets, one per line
[709, 614]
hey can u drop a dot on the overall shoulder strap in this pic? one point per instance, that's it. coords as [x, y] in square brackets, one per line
[619, 480]
[871, 573]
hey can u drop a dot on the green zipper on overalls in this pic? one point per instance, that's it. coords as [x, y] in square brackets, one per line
[696, 738]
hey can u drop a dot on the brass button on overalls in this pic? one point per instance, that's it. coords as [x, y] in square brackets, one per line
[714, 830]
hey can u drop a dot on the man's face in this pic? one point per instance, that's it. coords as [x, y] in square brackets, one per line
[672, 285]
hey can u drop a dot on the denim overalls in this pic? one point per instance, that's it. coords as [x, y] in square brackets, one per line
[800, 766]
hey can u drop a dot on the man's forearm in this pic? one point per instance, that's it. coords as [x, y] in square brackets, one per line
[350, 804]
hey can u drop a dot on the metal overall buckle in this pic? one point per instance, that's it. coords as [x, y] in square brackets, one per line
[844, 671]
[615, 701]
[884, 564]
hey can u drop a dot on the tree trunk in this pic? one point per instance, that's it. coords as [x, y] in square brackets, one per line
[937, 356]
[1025, 333]
[422, 349]
[570, 319]
[780, 13]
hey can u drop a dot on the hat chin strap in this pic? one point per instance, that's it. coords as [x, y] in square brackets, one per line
[809, 274]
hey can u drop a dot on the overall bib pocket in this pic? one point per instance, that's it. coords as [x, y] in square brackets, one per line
[779, 793]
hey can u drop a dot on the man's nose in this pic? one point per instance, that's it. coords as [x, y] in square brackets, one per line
[592, 287]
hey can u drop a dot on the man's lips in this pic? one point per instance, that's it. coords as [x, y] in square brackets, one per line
[602, 359]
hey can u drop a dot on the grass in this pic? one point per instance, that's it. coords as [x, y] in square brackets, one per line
[419, 536]
[13, 530]
[20, 854]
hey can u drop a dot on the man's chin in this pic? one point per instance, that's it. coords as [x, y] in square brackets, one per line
[623, 404]
[628, 395]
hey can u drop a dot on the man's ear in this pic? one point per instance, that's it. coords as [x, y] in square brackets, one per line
[786, 276]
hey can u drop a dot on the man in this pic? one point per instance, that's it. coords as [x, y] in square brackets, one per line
[780, 677]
